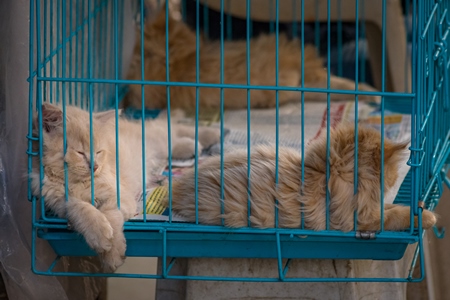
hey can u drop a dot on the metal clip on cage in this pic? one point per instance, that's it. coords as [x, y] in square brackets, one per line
[78, 56]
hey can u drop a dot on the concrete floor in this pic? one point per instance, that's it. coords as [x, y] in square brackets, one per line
[131, 288]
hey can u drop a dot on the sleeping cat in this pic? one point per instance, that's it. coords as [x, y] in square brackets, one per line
[290, 193]
[102, 224]
[182, 68]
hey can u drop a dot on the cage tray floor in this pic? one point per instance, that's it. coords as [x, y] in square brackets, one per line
[238, 245]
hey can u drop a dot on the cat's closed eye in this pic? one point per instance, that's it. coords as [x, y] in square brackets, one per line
[81, 153]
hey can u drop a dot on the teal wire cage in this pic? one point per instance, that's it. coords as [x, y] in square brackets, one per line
[79, 55]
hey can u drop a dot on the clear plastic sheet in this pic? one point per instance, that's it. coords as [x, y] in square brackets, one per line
[15, 210]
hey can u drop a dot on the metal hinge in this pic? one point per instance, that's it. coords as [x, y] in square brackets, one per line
[365, 235]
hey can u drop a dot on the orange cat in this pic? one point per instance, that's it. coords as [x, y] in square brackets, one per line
[290, 193]
[182, 68]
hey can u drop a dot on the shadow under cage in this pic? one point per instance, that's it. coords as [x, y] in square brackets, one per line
[212, 81]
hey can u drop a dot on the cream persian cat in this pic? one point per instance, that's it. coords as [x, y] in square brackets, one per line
[101, 224]
[292, 198]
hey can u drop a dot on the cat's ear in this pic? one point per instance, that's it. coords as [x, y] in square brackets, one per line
[107, 115]
[52, 117]
[394, 150]
[156, 14]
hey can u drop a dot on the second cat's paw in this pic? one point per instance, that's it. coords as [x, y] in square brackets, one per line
[185, 149]
[209, 136]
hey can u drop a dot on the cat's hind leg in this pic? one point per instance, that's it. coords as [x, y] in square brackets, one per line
[339, 83]
[397, 218]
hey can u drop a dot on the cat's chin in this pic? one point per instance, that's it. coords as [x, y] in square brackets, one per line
[87, 173]
[84, 179]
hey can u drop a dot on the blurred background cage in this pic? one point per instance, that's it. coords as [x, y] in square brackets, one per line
[80, 52]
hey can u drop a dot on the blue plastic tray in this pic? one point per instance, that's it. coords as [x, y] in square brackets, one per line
[242, 245]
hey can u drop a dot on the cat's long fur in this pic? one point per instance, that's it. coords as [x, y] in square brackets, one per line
[182, 68]
[102, 224]
[293, 197]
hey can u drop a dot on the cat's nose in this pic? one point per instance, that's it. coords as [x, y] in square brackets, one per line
[95, 167]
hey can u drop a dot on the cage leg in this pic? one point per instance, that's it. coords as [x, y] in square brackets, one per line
[170, 288]
[439, 232]
[57, 259]
[171, 264]
[164, 257]
[286, 267]
[428, 266]
[418, 253]
[279, 258]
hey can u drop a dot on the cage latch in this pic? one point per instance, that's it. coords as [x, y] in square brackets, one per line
[365, 235]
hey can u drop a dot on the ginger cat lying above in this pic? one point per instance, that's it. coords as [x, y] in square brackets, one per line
[182, 68]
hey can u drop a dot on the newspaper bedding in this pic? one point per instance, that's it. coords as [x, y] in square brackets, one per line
[263, 131]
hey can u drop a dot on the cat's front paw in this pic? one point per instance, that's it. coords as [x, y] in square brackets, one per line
[113, 259]
[100, 237]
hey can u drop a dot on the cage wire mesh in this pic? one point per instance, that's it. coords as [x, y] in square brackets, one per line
[80, 54]
[76, 41]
